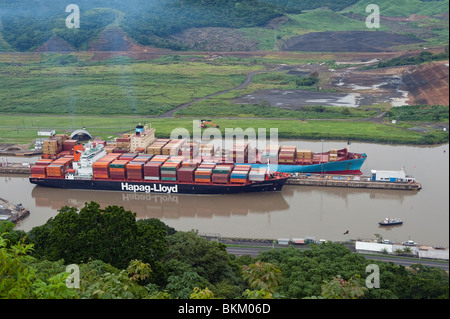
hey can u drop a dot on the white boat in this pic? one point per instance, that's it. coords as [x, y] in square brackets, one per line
[391, 221]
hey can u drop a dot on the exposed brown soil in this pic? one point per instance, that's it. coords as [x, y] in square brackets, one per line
[111, 39]
[114, 42]
[428, 83]
[215, 39]
[55, 44]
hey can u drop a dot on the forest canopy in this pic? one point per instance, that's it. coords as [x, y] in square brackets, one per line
[26, 24]
[122, 257]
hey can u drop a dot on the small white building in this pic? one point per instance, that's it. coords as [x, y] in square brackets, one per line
[46, 132]
[283, 241]
[390, 176]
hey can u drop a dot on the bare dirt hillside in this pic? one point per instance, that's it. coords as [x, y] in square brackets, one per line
[215, 39]
[55, 44]
[428, 83]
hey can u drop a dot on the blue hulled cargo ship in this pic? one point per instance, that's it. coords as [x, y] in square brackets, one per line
[349, 165]
[288, 159]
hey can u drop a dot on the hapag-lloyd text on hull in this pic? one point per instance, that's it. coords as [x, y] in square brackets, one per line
[156, 188]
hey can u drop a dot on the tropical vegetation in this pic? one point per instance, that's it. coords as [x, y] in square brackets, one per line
[120, 257]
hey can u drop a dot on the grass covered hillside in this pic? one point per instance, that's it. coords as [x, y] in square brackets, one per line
[402, 8]
[26, 25]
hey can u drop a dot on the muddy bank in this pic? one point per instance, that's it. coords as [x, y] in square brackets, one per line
[296, 99]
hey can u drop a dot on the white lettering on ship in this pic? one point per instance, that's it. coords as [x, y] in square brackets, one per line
[157, 188]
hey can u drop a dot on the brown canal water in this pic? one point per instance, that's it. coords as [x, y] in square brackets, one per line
[296, 211]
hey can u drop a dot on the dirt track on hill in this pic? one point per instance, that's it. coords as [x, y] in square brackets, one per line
[243, 85]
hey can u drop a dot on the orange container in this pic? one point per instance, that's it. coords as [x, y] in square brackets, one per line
[238, 180]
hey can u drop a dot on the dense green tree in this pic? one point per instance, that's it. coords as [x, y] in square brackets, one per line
[207, 258]
[29, 24]
[262, 275]
[338, 288]
[184, 265]
[110, 234]
[424, 56]
[20, 278]
[305, 271]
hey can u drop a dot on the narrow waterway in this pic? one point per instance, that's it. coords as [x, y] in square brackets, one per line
[297, 211]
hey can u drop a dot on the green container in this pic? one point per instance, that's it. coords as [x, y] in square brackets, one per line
[117, 165]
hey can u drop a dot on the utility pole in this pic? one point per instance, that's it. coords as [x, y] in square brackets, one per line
[321, 157]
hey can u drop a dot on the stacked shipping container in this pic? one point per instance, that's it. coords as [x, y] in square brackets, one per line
[333, 155]
[156, 147]
[206, 151]
[257, 174]
[173, 147]
[203, 173]
[304, 156]
[221, 174]
[240, 174]
[270, 154]
[58, 168]
[169, 170]
[39, 169]
[100, 168]
[118, 169]
[240, 152]
[122, 144]
[287, 154]
[152, 169]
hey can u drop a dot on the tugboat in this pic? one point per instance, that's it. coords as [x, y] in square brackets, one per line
[391, 222]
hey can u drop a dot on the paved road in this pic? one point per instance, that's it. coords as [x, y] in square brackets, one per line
[254, 251]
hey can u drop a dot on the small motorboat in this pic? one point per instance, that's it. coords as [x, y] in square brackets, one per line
[391, 221]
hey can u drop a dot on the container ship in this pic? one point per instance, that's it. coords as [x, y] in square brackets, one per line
[289, 159]
[91, 167]
[140, 162]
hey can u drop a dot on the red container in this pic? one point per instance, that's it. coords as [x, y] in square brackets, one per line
[152, 169]
[186, 174]
[221, 178]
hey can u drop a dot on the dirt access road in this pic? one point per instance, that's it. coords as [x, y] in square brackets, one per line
[243, 85]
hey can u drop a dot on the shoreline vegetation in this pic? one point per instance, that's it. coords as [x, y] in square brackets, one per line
[22, 129]
[111, 97]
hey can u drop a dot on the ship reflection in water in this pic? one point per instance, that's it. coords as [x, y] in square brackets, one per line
[164, 206]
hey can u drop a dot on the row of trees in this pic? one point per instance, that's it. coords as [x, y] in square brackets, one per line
[120, 257]
[424, 56]
[421, 113]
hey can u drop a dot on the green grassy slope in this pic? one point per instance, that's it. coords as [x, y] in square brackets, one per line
[402, 8]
